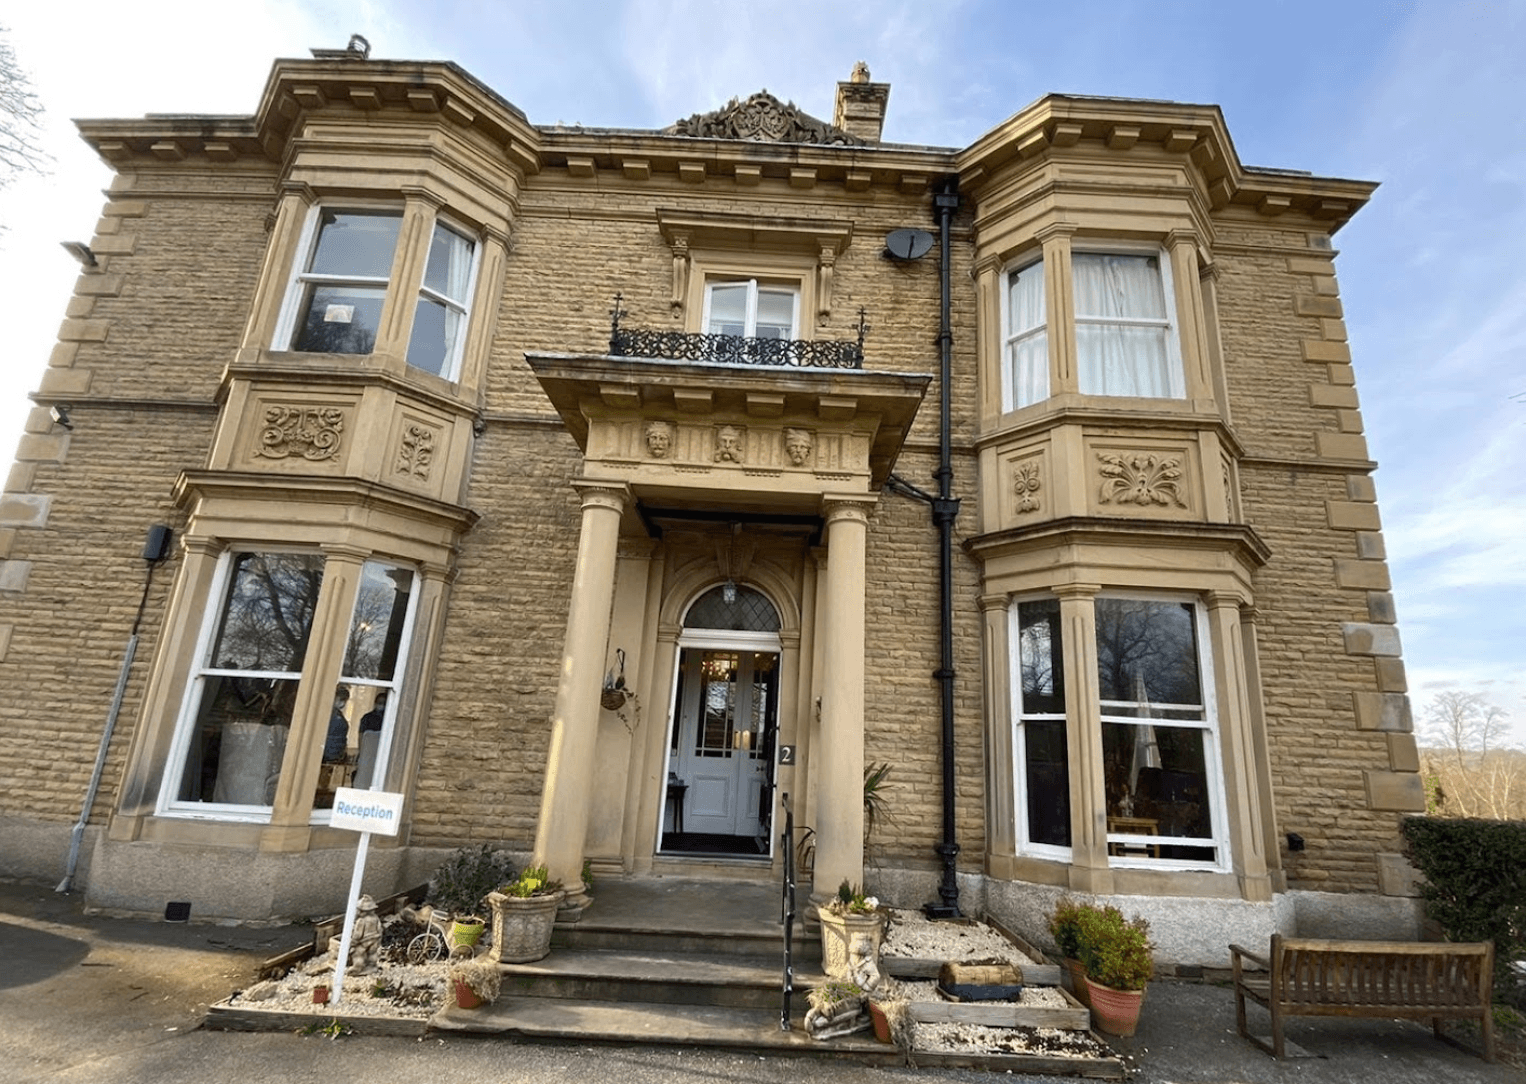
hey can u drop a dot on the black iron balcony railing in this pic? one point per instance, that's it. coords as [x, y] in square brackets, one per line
[735, 349]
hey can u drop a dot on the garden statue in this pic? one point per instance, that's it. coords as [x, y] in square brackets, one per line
[365, 938]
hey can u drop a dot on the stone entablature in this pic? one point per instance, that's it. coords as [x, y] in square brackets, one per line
[731, 436]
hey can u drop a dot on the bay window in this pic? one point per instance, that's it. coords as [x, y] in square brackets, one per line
[1124, 319]
[1160, 776]
[340, 289]
[239, 725]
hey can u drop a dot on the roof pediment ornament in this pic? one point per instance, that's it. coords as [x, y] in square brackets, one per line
[762, 119]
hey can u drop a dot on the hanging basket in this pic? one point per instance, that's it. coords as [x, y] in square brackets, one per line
[612, 699]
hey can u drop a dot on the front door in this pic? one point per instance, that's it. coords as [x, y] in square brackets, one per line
[722, 751]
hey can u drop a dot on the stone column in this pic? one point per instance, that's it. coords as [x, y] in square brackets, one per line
[1001, 818]
[840, 763]
[1089, 870]
[563, 825]
[1243, 817]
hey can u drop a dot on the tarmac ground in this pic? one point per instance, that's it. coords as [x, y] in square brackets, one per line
[88, 998]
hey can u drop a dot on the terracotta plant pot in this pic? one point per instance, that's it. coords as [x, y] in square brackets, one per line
[1114, 1011]
[466, 998]
[1076, 971]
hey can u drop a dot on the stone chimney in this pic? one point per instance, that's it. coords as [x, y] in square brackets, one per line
[861, 105]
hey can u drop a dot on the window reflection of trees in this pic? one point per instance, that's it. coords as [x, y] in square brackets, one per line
[269, 614]
[1153, 642]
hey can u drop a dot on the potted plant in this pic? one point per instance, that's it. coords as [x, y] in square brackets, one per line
[845, 918]
[524, 913]
[891, 1013]
[836, 1008]
[475, 981]
[1065, 928]
[1119, 961]
[461, 884]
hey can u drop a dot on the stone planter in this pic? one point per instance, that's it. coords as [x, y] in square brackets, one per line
[1114, 1011]
[837, 935]
[522, 927]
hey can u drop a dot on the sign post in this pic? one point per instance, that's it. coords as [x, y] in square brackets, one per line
[363, 811]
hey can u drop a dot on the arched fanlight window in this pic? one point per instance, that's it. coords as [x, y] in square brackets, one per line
[734, 609]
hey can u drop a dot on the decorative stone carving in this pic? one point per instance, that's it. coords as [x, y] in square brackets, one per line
[1141, 478]
[764, 119]
[728, 444]
[1026, 484]
[310, 432]
[659, 439]
[797, 445]
[415, 454]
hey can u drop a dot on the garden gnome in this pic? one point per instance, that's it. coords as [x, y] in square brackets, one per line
[365, 938]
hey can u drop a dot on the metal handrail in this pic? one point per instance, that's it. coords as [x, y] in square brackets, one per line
[787, 905]
[720, 349]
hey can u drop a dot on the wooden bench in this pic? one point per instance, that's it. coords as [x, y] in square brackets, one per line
[1411, 980]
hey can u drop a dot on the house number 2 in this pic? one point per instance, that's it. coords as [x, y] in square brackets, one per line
[786, 754]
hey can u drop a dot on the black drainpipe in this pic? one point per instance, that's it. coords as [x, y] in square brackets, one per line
[945, 509]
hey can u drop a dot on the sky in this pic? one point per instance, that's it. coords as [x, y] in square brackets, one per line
[1429, 99]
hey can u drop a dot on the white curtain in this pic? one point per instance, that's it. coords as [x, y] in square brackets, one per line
[457, 280]
[1121, 326]
[1027, 338]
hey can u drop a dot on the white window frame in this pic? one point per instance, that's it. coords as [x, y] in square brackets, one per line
[288, 324]
[750, 322]
[1175, 375]
[191, 700]
[451, 365]
[1213, 764]
[1020, 718]
[1013, 337]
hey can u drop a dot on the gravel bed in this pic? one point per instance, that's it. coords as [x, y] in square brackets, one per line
[912, 935]
[976, 1039]
[1033, 997]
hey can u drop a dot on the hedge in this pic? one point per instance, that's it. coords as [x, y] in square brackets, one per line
[1475, 890]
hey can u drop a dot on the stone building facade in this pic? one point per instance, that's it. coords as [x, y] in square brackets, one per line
[565, 480]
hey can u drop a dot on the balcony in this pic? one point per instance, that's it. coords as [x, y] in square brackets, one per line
[627, 342]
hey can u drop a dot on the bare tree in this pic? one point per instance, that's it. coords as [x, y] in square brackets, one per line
[20, 117]
[1469, 772]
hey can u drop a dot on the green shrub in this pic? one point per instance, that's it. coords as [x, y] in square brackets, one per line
[1475, 887]
[1065, 926]
[467, 876]
[533, 881]
[1116, 952]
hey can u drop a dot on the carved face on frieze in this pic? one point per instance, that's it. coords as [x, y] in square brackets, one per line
[659, 439]
[728, 444]
[797, 445]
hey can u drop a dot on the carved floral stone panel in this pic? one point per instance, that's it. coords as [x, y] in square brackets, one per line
[313, 433]
[415, 451]
[1026, 484]
[1142, 478]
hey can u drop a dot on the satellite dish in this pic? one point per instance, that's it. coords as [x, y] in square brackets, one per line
[908, 244]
